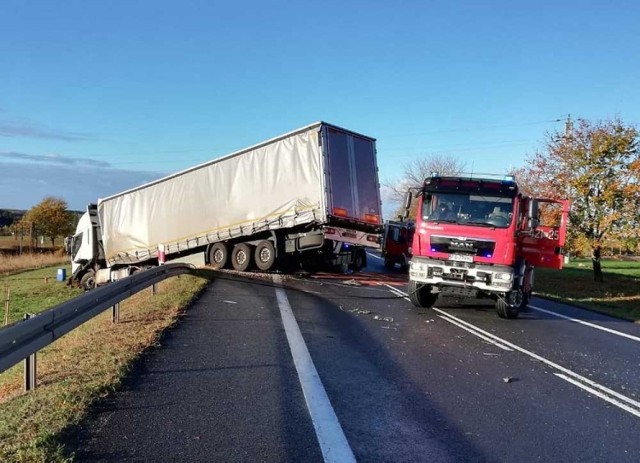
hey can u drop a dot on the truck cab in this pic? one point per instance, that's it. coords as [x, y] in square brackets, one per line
[85, 247]
[396, 243]
[480, 237]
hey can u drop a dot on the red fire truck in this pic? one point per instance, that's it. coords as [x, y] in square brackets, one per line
[480, 237]
[396, 244]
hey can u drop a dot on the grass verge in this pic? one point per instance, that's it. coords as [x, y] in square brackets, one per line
[12, 264]
[618, 295]
[83, 366]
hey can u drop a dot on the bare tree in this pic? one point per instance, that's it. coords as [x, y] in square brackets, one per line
[414, 173]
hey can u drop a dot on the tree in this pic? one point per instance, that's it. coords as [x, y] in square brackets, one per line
[597, 166]
[414, 173]
[51, 218]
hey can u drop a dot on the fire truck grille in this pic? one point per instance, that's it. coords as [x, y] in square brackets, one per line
[483, 248]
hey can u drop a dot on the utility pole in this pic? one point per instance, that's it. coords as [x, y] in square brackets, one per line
[568, 128]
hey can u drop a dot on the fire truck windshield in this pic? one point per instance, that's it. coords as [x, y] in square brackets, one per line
[472, 209]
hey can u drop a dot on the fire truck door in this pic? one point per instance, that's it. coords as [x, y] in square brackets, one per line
[544, 246]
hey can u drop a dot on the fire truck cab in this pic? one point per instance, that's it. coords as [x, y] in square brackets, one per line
[480, 237]
[396, 243]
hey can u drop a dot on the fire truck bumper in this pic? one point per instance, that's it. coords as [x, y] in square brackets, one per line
[482, 277]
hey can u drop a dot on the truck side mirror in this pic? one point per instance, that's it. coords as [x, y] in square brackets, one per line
[532, 215]
[407, 204]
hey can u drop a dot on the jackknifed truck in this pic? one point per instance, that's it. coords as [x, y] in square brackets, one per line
[310, 197]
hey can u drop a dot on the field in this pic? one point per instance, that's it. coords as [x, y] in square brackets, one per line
[9, 243]
[618, 295]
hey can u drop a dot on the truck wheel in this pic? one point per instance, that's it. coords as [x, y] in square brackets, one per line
[420, 294]
[218, 255]
[359, 261]
[389, 264]
[265, 255]
[88, 280]
[241, 257]
[509, 306]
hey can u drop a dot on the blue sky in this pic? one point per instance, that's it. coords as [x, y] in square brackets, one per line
[97, 97]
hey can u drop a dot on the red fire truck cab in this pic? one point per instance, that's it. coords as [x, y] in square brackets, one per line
[480, 237]
[396, 244]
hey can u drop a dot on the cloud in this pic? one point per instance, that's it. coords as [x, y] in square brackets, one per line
[52, 159]
[25, 184]
[25, 129]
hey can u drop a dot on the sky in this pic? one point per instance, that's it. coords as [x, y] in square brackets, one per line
[99, 97]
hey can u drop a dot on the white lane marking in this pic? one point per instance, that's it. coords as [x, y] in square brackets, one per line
[582, 322]
[333, 442]
[564, 370]
[599, 394]
[373, 255]
[491, 341]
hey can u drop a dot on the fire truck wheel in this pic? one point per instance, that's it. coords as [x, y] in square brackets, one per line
[265, 255]
[241, 257]
[88, 280]
[509, 306]
[420, 294]
[218, 255]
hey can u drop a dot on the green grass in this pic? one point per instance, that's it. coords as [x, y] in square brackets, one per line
[82, 366]
[618, 295]
[29, 293]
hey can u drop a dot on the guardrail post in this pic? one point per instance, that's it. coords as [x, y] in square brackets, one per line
[29, 367]
[115, 313]
[7, 293]
[154, 289]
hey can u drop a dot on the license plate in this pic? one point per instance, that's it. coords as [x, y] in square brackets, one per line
[461, 257]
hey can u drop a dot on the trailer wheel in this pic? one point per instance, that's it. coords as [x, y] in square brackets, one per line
[509, 306]
[241, 257]
[88, 280]
[265, 255]
[359, 260]
[420, 294]
[218, 255]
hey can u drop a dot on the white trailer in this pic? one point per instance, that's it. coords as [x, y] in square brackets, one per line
[309, 196]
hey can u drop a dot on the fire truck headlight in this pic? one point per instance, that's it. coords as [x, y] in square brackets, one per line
[503, 276]
[418, 267]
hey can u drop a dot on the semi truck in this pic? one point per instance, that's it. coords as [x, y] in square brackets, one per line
[311, 196]
[481, 237]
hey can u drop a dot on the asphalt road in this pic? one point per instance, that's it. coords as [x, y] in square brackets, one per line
[383, 380]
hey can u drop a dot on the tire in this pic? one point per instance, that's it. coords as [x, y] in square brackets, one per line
[88, 280]
[219, 255]
[389, 264]
[359, 261]
[509, 306]
[241, 257]
[420, 294]
[265, 255]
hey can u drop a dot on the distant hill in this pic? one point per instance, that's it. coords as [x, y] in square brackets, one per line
[8, 216]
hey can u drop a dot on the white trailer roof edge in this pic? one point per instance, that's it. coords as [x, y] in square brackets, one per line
[233, 154]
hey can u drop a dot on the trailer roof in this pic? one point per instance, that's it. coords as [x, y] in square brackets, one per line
[235, 153]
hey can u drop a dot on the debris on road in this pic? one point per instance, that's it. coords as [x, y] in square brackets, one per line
[229, 302]
[383, 319]
[508, 379]
[351, 283]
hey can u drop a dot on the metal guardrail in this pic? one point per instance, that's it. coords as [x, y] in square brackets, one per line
[24, 338]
